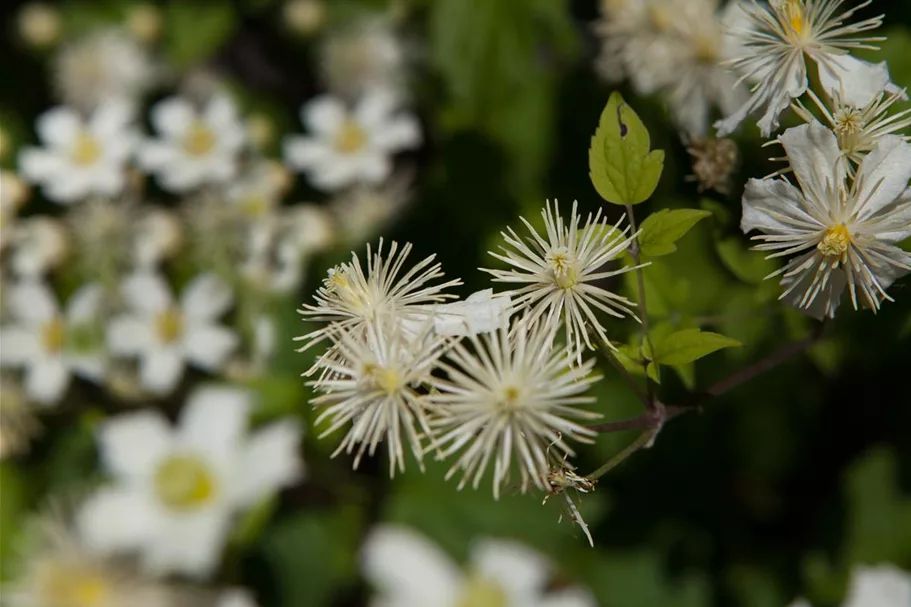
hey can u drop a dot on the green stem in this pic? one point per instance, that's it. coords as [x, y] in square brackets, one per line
[644, 439]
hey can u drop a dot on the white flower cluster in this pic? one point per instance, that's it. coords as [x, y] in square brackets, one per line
[877, 586]
[485, 381]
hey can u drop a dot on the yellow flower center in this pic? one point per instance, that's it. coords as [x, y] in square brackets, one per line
[388, 381]
[169, 325]
[481, 592]
[510, 397]
[350, 138]
[706, 49]
[660, 18]
[563, 267]
[184, 482]
[255, 206]
[835, 242]
[793, 12]
[53, 335]
[73, 585]
[199, 139]
[86, 151]
[848, 126]
[339, 283]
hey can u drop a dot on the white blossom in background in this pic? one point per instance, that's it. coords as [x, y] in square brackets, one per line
[350, 147]
[58, 569]
[50, 346]
[555, 276]
[362, 212]
[778, 39]
[18, 422]
[363, 56]
[351, 298]
[13, 194]
[407, 570]
[104, 66]
[157, 234]
[175, 491]
[166, 334]
[875, 586]
[637, 43]
[373, 382]
[81, 156]
[236, 598]
[844, 233]
[39, 24]
[859, 128]
[37, 245]
[198, 146]
[505, 401]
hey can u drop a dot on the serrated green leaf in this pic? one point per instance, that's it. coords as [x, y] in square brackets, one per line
[622, 166]
[662, 229]
[689, 345]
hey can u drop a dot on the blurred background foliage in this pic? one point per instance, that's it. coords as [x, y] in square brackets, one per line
[774, 490]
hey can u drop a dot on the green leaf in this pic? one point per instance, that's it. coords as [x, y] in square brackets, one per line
[622, 166]
[749, 266]
[689, 345]
[662, 229]
[13, 503]
[197, 30]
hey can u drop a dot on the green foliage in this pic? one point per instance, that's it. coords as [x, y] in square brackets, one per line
[196, 30]
[749, 266]
[637, 579]
[13, 505]
[662, 229]
[623, 167]
[690, 345]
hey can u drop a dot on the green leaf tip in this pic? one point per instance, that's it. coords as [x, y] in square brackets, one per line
[689, 345]
[622, 166]
[662, 229]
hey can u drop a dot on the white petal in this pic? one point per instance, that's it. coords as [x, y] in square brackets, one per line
[826, 302]
[304, 152]
[206, 297]
[31, 302]
[221, 113]
[336, 174]
[518, 569]
[132, 444]
[157, 155]
[191, 545]
[764, 199]
[114, 520]
[215, 420]
[236, 598]
[130, 335]
[92, 367]
[884, 172]
[208, 346]
[37, 165]
[59, 126]
[408, 568]
[160, 370]
[857, 82]
[172, 117]
[111, 119]
[71, 186]
[879, 586]
[46, 380]
[19, 346]
[373, 166]
[323, 115]
[816, 159]
[893, 224]
[85, 304]
[269, 461]
[376, 108]
[402, 132]
[147, 292]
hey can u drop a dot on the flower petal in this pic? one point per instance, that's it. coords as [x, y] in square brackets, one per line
[774, 206]
[884, 175]
[147, 292]
[18, 346]
[208, 346]
[323, 115]
[172, 117]
[129, 336]
[303, 152]
[215, 420]
[59, 127]
[269, 461]
[47, 379]
[206, 297]
[161, 369]
[517, 569]
[190, 544]
[85, 304]
[115, 520]
[31, 302]
[814, 155]
[132, 444]
[855, 81]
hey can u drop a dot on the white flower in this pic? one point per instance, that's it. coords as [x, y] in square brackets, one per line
[636, 43]
[350, 299]
[347, 148]
[58, 569]
[198, 147]
[510, 397]
[38, 244]
[363, 56]
[176, 490]
[844, 234]
[777, 41]
[51, 346]
[39, 25]
[560, 273]
[236, 598]
[157, 235]
[104, 66]
[81, 157]
[165, 334]
[362, 212]
[373, 382]
[859, 128]
[407, 570]
[879, 586]
[13, 194]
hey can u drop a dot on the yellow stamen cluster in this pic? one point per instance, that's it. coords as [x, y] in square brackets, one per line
[564, 267]
[86, 150]
[169, 325]
[53, 335]
[73, 585]
[350, 138]
[482, 592]
[199, 140]
[793, 13]
[184, 482]
[835, 242]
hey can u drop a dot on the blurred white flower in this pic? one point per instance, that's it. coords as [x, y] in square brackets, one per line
[347, 148]
[13, 194]
[157, 235]
[845, 232]
[144, 22]
[407, 570]
[197, 146]
[81, 157]
[177, 490]
[103, 66]
[58, 569]
[373, 383]
[560, 270]
[363, 56]
[859, 128]
[510, 395]
[38, 244]
[363, 212]
[259, 190]
[166, 334]
[50, 346]
[879, 586]
[304, 17]
[778, 38]
[18, 423]
[350, 299]
[39, 24]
